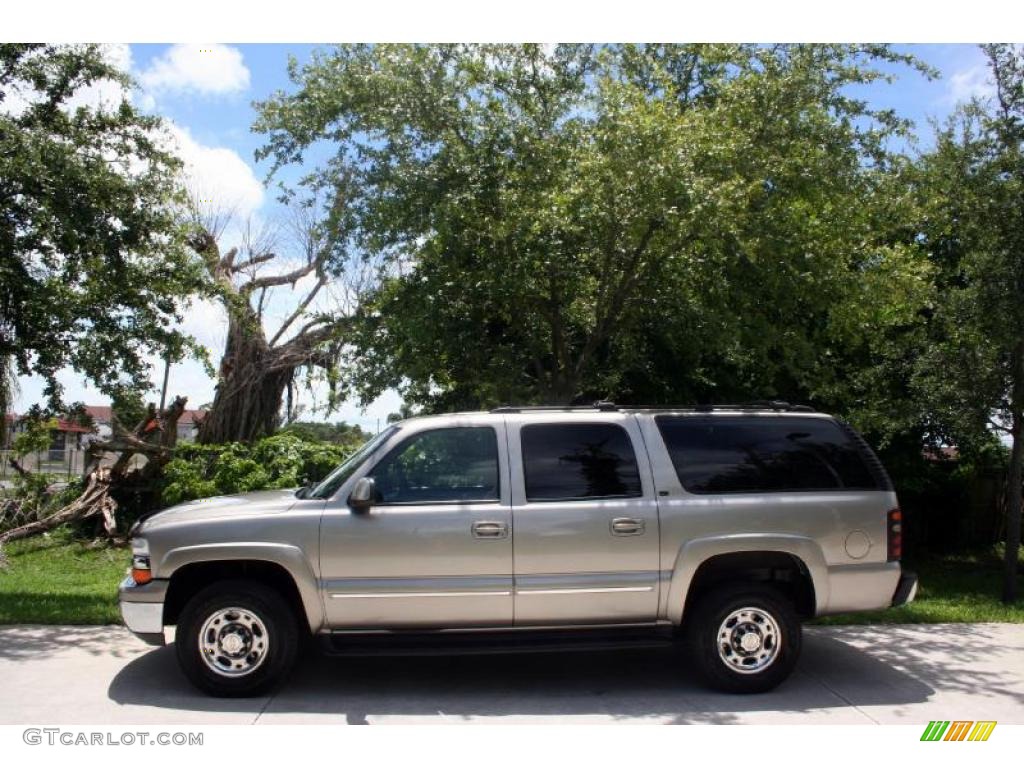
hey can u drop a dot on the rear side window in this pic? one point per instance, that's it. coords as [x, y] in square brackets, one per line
[744, 454]
[578, 461]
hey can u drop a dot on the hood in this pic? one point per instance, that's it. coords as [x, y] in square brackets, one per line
[255, 503]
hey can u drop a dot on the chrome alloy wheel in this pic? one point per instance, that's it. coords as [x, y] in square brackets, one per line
[749, 640]
[234, 642]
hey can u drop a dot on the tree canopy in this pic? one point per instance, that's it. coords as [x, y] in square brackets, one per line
[644, 222]
[968, 370]
[92, 261]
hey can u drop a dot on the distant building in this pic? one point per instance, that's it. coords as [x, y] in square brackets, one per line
[68, 435]
[72, 435]
[188, 424]
[103, 418]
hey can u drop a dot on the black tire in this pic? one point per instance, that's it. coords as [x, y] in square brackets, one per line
[265, 620]
[703, 638]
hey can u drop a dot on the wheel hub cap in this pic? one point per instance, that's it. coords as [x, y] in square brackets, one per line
[749, 640]
[234, 642]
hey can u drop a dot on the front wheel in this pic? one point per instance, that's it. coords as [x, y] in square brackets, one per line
[236, 638]
[743, 638]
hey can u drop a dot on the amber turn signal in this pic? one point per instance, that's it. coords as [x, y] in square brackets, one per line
[141, 573]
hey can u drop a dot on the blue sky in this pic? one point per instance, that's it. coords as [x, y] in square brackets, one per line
[206, 93]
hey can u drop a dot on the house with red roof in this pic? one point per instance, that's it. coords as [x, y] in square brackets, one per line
[67, 435]
[188, 424]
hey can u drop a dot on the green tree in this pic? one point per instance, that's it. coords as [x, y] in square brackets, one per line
[339, 433]
[91, 259]
[969, 370]
[128, 406]
[404, 411]
[653, 222]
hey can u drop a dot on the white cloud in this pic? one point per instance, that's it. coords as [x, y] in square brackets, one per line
[217, 176]
[205, 69]
[970, 83]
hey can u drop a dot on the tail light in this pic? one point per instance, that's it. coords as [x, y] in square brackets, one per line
[894, 534]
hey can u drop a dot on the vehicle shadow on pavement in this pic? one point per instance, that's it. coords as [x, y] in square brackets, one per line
[576, 686]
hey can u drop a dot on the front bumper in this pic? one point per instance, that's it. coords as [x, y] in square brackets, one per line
[906, 589]
[142, 608]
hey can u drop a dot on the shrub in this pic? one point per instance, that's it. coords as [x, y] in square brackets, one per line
[281, 461]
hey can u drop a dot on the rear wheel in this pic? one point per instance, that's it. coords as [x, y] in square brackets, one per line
[743, 638]
[236, 638]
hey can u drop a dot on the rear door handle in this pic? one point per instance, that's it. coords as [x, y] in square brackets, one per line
[490, 529]
[627, 526]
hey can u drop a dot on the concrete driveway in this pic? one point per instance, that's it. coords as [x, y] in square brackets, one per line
[895, 674]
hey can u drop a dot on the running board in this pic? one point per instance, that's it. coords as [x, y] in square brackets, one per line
[476, 642]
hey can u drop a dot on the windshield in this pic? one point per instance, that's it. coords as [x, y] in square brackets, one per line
[327, 487]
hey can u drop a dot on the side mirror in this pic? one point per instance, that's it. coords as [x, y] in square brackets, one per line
[363, 495]
[303, 492]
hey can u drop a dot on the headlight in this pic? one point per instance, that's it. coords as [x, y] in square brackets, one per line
[141, 572]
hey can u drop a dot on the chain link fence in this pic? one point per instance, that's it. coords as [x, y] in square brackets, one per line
[57, 467]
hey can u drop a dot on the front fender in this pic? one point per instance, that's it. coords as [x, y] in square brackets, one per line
[696, 551]
[287, 556]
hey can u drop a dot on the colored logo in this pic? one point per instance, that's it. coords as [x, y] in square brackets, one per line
[958, 730]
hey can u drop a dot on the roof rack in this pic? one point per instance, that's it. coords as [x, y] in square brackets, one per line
[757, 405]
[600, 405]
[604, 405]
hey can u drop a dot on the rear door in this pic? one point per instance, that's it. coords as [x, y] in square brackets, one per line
[585, 520]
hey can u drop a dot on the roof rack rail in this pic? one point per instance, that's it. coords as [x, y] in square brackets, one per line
[757, 405]
[600, 405]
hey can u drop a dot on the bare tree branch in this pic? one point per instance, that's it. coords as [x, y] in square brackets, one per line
[299, 310]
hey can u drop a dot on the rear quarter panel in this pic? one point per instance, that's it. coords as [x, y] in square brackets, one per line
[840, 536]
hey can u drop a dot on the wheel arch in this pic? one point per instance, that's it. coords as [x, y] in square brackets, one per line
[282, 567]
[703, 563]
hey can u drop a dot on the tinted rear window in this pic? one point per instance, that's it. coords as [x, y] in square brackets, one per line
[744, 454]
[578, 461]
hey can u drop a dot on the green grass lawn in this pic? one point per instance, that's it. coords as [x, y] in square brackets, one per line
[953, 588]
[61, 580]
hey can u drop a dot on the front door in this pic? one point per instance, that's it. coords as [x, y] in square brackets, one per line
[435, 550]
[586, 521]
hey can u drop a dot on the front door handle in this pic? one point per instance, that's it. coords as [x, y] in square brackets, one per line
[627, 526]
[490, 529]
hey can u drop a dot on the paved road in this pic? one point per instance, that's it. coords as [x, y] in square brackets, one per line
[897, 674]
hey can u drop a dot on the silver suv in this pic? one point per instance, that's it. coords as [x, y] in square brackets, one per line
[719, 529]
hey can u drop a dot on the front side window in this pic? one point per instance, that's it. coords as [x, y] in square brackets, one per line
[747, 454]
[329, 485]
[578, 461]
[455, 464]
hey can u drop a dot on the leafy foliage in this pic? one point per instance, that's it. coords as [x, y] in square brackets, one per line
[281, 461]
[969, 366]
[644, 222]
[339, 433]
[91, 259]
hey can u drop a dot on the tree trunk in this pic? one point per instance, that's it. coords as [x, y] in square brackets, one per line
[247, 405]
[254, 371]
[1013, 512]
[95, 500]
[250, 389]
